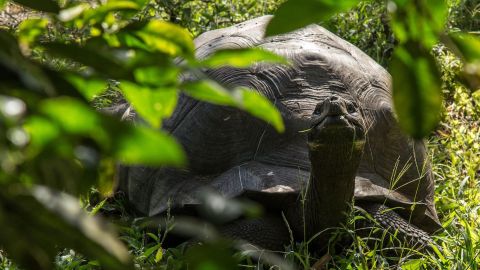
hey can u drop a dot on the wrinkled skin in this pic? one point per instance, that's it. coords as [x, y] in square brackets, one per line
[336, 142]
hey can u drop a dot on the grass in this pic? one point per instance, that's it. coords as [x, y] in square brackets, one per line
[456, 163]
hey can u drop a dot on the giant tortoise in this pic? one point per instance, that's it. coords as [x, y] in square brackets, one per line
[342, 143]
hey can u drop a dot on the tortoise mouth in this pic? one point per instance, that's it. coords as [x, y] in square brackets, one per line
[339, 121]
[334, 129]
[331, 121]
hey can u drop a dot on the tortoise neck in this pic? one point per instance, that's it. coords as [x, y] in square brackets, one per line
[329, 194]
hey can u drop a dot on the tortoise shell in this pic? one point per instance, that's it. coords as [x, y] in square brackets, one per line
[237, 154]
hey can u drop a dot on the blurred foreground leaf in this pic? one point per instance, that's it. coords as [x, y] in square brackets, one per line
[157, 76]
[416, 80]
[418, 20]
[468, 46]
[152, 104]
[29, 30]
[416, 91]
[127, 143]
[167, 38]
[295, 14]
[259, 106]
[209, 91]
[241, 58]
[92, 14]
[36, 223]
[89, 87]
[246, 99]
[99, 14]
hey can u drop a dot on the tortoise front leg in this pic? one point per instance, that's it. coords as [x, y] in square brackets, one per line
[412, 236]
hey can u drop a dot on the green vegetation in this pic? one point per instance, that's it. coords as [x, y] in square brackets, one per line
[55, 67]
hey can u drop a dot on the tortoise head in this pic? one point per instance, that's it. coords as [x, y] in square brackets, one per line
[335, 141]
[335, 121]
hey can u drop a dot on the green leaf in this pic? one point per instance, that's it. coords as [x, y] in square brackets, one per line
[419, 21]
[149, 251]
[37, 222]
[89, 87]
[139, 145]
[126, 39]
[241, 58]
[42, 132]
[74, 117]
[40, 5]
[157, 76]
[152, 104]
[260, 107]
[72, 142]
[159, 254]
[209, 91]
[467, 45]
[476, 96]
[154, 237]
[167, 38]
[249, 100]
[295, 14]
[127, 143]
[99, 14]
[414, 264]
[140, 3]
[416, 91]
[29, 30]
[118, 5]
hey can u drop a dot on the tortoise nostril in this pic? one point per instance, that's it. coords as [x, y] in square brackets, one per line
[331, 106]
[333, 98]
[335, 108]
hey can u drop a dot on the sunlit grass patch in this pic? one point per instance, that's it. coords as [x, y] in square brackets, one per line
[455, 152]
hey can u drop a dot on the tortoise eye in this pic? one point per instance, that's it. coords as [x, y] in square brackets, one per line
[351, 108]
